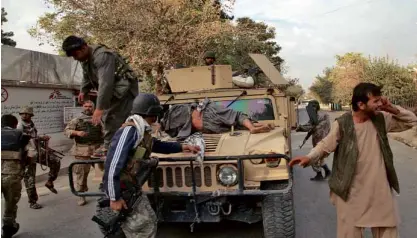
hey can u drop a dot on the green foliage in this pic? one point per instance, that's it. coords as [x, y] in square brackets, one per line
[396, 80]
[6, 37]
[293, 88]
[322, 87]
[337, 83]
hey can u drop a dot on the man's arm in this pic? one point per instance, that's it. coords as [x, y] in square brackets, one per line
[86, 85]
[122, 143]
[163, 147]
[105, 63]
[399, 119]
[305, 127]
[69, 130]
[325, 146]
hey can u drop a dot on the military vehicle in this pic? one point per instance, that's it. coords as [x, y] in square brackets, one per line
[244, 177]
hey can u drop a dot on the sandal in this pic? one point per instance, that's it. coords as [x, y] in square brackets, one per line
[35, 206]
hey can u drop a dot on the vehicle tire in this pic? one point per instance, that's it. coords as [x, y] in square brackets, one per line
[278, 212]
[106, 214]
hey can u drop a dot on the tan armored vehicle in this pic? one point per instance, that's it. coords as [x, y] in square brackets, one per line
[239, 179]
[243, 177]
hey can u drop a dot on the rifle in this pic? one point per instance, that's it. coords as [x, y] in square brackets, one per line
[310, 132]
[132, 196]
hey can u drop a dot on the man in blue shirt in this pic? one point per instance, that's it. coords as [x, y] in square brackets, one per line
[131, 144]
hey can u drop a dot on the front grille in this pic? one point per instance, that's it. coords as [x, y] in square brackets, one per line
[181, 176]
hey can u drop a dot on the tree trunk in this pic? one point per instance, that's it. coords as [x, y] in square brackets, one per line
[159, 76]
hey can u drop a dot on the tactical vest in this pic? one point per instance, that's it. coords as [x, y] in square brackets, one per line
[143, 151]
[94, 133]
[125, 78]
[11, 152]
[29, 128]
[346, 155]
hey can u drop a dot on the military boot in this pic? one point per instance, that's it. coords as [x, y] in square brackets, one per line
[82, 201]
[9, 231]
[318, 177]
[50, 186]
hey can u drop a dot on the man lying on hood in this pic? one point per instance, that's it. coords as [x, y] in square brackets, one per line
[183, 120]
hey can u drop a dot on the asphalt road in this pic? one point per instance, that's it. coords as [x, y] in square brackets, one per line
[315, 216]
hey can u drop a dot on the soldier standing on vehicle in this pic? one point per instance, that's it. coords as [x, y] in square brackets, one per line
[88, 138]
[28, 127]
[209, 58]
[318, 131]
[13, 142]
[116, 84]
[363, 176]
[120, 165]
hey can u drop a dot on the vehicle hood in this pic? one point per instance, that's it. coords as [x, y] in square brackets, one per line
[243, 143]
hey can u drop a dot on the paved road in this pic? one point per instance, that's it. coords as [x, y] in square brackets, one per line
[315, 216]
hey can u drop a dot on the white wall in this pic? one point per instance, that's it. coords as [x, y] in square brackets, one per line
[48, 105]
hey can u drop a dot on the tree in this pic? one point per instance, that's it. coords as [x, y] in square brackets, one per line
[322, 87]
[6, 36]
[293, 88]
[397, 81]
[348, 72]
[157, 34]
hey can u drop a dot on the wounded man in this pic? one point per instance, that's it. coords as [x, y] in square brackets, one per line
[183, 120]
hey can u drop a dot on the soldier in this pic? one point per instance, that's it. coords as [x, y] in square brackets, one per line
[116, 84]
[209, 58]
[318, 133]
[120, 165]
[13, 143]
[28, 127]
[87, 139]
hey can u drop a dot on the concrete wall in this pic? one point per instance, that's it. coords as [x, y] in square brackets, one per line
[48, 105]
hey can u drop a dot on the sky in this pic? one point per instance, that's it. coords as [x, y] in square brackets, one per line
[310, 32]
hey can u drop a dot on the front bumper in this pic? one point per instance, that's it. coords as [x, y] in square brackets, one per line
[241, 191]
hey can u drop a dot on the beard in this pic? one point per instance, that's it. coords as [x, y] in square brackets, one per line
[88, 113]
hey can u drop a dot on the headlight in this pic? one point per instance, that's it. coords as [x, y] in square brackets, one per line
[227, 175]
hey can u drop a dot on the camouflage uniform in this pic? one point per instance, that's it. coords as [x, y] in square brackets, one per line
[321, 131]
[11, 177]
[84, 147]
[33, 157]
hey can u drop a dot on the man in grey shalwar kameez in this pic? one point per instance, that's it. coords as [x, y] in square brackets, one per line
[115, 82]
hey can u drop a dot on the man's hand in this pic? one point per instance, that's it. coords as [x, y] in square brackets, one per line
[191, 148]
[81, 133]
[96, 120]
[80, 98]
[303, 161]
[388, 107]
[118, 205]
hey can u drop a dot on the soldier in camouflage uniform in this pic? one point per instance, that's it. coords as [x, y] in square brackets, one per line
[33, 156]
[13, 143]
[87, 139]
[209, 58]
[320, 131]
[116, 84]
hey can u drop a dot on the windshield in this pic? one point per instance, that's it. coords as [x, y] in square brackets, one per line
[260, 109]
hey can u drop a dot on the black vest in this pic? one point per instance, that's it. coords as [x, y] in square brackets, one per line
[11, 139]
[95, 135]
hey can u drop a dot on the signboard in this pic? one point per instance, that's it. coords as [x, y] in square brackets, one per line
[48, 105]
[71, 112]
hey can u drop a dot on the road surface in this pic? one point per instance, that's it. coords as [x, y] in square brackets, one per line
[315, 216]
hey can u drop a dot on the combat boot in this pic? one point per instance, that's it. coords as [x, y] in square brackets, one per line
[82, 201]
[9, 231]
[318, 177]
[50, 186]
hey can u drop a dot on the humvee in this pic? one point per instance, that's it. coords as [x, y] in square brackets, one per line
[240, 179]
[244, 177]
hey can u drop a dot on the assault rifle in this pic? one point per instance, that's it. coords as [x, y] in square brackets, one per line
[312, 114]
[131, 196]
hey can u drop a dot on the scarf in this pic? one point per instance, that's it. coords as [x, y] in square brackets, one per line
[141, 127]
